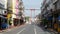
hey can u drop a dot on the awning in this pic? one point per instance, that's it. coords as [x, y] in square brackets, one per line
[16, 18]
[3, 17]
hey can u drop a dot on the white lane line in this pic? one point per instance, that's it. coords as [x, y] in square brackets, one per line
[35, 30]
[21, 31]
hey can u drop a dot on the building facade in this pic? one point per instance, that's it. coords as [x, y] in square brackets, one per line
[15, 13]
[50, 11]
[21, 12]
[10, 12]
[3, 13]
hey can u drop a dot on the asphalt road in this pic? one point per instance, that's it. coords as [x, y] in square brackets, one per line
[27, 29]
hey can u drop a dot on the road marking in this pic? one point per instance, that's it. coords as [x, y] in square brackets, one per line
[8, 30]
[35, 30]
[21, 31]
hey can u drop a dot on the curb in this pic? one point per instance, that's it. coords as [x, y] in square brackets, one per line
[52, 31]
[10, 28]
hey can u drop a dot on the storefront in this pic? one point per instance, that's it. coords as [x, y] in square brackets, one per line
[50, 23]
[3, 22]
[16, 22]
[59, 23]
[56, 15]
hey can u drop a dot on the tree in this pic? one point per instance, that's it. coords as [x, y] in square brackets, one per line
[27, 18]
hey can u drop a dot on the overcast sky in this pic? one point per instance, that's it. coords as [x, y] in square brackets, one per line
[28, 4]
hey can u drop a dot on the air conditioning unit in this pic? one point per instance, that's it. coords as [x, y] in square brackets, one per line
[4, 12]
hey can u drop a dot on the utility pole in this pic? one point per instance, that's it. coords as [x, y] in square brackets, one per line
[31, 15]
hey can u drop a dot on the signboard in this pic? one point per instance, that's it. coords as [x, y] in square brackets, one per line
[9, 15]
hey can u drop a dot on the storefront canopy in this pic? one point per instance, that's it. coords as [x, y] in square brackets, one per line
[3, 17]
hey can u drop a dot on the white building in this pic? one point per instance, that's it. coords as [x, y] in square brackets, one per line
[3, 5]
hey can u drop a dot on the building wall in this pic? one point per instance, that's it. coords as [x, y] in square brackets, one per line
[9, 7]
[3, 6]
[3, 13]
[58, 4]
[9, 4]
[12, 6]
[15, 9]
[53, 9]
[16, 6]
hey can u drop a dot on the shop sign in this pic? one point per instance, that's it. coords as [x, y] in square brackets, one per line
[8, 16]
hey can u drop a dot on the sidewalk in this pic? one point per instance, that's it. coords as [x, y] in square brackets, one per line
[10, 28]
[49, 30]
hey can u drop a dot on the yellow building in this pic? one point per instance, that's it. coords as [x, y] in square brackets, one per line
[12, 10]
[9, 9]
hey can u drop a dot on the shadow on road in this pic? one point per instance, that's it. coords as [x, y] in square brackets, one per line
[46, 30]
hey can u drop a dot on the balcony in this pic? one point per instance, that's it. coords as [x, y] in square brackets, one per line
[54, 1]
[9, 11]
[52, 7]
[1, 6]
[58, 4]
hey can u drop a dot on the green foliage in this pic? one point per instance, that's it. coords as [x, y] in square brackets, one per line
[27, 18]
[45, 21]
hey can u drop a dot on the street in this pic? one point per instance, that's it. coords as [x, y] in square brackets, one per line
[29, 16]
[27, 29]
